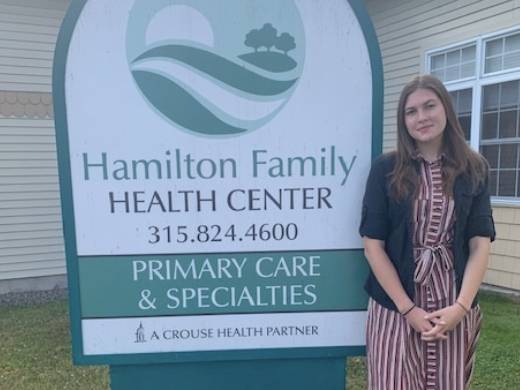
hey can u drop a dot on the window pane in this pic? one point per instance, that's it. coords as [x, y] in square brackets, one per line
[490, 152]
[455, 99]
[439, 74]
[467, 70]
[492, 183]
[454, 64]
[464, 101]
[452, 73]
[465, 123]
[493, 65]
[509, 94]
[508, 156]
[468, 54]
[507, 124]
[512, 60]
[489, 125]
[494, 47]
[506, 183]
[502, 54]
[462, 105]
[453, 58]
[513, 43]
[518, 183]
[490, 97]
[438, 61]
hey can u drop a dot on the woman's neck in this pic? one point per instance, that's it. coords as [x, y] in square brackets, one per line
[429, 152]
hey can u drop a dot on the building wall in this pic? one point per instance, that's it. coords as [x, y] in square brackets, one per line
[406, 29]
[31, 239]
[504, 268]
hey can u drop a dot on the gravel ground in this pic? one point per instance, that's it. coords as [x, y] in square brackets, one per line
[32, 297]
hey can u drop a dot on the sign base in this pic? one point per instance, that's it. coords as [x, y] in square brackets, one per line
[301, 374]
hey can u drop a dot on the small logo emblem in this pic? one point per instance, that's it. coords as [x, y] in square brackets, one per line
[139, 334]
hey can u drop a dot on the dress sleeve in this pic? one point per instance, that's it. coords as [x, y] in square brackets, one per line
[480, 219]
[374, 214]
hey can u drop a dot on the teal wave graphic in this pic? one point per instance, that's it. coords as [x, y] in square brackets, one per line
[180, 106]
[220, 68]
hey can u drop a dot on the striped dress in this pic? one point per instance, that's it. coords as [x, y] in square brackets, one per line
[397, 357]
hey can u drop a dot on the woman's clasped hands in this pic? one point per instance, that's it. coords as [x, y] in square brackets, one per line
[434, 325]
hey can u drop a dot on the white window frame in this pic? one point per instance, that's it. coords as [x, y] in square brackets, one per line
[458, 45]
[476, 84]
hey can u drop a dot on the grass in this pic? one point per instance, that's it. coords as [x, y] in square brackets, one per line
[35, 350]
[498, 353]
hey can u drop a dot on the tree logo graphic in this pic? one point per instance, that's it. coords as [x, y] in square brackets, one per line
[270, 60]
[211, 72]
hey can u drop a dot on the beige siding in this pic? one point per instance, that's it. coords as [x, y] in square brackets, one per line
[31, 238]
[504, 267]
[406, 29]
[28, 32]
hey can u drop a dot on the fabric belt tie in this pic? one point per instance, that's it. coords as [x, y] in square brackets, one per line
[426, 258]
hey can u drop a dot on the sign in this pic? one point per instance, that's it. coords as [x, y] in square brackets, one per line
[212, 158]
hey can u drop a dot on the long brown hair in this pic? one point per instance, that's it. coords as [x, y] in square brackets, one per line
[458, 156]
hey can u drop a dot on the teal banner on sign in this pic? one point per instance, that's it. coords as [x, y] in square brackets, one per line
[223, 283]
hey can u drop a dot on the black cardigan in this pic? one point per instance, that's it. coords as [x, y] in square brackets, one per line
[388, 220]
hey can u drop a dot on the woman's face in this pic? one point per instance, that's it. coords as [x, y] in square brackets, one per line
[425, 118]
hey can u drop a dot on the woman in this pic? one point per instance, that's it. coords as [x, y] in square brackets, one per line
[427, 227]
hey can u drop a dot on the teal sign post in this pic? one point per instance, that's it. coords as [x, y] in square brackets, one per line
[212, 156]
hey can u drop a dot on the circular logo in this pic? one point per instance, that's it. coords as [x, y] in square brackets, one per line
[216, 67]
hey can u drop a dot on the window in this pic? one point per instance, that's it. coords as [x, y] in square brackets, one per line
[462, 104]
[502, 53]
[500, 138]
[454, 64]
[483, 77]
